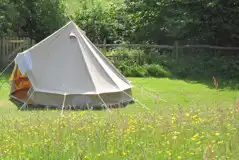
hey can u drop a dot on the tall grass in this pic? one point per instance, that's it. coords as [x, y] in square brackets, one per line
[196, 123]
[85, 135]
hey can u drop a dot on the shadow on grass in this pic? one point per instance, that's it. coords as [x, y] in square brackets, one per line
[30, 107]
[5, 77]
[209, 82]
[199, 66]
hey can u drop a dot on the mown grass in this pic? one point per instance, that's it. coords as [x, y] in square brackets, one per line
[196, 122]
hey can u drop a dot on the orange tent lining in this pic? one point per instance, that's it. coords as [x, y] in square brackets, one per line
[20, 81]
[21, 84]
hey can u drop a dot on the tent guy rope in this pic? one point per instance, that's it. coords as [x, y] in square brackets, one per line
[136, 101]
[63, 104]
[104, 103]
[25, 104]
[3, 84]
[150, 94]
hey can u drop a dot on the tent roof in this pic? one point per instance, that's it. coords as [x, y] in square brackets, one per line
[67, 62]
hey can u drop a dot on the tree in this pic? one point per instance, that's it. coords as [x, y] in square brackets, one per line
[35, 19]
[103, 24]
[202, 21]
[7, 15]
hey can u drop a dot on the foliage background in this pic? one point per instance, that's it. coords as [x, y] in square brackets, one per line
[212, 22]
[196, 121]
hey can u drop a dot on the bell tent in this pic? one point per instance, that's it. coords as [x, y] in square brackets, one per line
[66, 69]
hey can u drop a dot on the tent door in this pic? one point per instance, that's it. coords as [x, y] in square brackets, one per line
[20, 85]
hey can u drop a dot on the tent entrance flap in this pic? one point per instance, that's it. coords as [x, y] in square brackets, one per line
[20, 84]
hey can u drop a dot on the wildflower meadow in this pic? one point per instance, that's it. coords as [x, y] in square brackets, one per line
[185, 121]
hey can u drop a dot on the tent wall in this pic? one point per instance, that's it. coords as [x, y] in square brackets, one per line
[80, 100]
[68, 62]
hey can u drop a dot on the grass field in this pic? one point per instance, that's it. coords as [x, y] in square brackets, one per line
[196, 122]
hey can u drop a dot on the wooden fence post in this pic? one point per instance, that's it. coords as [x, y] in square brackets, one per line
[33, 42]
[10, 46]
[104, 48]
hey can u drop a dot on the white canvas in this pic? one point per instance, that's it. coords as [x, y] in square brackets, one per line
[67, 62]
[24, 62]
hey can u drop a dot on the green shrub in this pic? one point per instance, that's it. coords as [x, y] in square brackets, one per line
[139, 71]
[126, 51]
[125, 69]
[157, 71]
[188, 65]
[128, 56]
[144, 70]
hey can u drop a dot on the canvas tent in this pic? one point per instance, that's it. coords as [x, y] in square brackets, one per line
[67, 69]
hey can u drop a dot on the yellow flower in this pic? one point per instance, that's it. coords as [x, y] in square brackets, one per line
[217, 134]
[176, 133]
[198, 142]
[196, 135]
[169, 153]
[187, 114]
[174, 137]
[193, 138]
